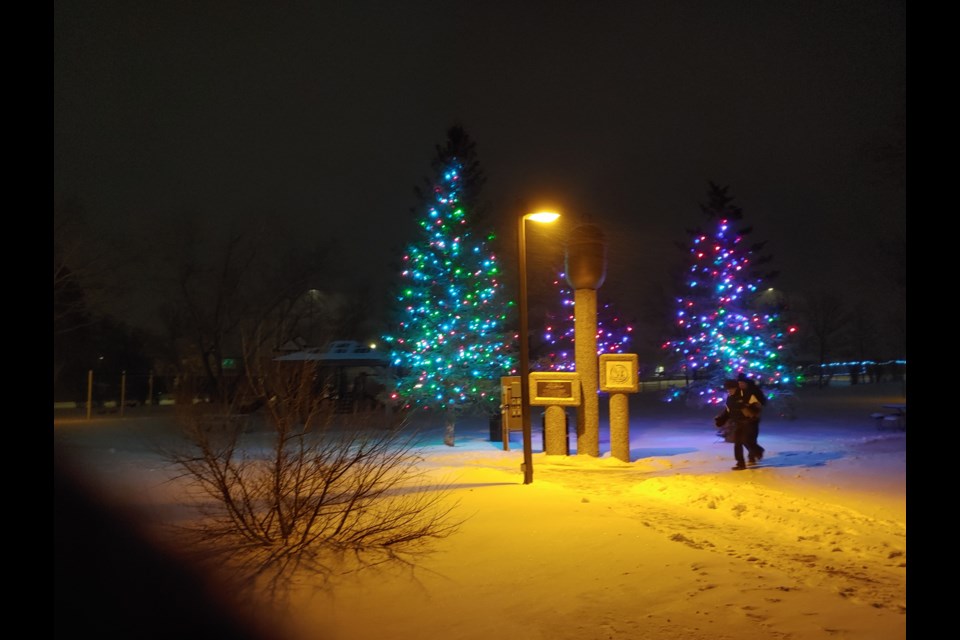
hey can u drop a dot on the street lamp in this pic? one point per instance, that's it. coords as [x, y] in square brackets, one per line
[542, 216]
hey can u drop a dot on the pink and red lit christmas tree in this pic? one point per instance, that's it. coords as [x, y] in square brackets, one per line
[556, 350]
[725, 326]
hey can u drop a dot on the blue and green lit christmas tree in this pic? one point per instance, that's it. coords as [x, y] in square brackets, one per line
[724, 327]
[452, 342]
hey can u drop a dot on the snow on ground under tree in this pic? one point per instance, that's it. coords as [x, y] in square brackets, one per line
[670, 545]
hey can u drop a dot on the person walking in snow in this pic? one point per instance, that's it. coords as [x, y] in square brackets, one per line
[738, 418]
[752, 400]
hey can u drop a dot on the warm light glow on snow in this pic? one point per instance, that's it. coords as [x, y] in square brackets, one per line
[672, 545]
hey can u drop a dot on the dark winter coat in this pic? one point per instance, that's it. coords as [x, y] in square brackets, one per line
[731, 418]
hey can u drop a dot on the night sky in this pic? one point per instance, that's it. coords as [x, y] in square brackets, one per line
[323, 116]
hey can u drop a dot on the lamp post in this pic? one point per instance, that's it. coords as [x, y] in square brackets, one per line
[543, 216]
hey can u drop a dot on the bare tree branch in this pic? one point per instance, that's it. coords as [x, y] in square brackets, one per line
[307, 492]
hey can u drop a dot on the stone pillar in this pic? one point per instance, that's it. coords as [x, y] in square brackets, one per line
[619, 427]
[618, 377]
[586, 270]
[585, 350]
[555, 431]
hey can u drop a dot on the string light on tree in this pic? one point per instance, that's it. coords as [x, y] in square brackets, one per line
[724, 326]
[452, 341]
[556, 353]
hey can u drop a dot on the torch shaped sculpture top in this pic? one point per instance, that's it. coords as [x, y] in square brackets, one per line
[586, 258]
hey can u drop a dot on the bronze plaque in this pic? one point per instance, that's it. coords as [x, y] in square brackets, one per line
[554, 389]
[548, 388]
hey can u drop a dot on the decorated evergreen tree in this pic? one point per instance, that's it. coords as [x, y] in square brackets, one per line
[452, 341]
[725, 327]
[556, 350]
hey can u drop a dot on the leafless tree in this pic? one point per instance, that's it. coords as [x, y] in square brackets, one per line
[82, 267]
[309, 491]
[892, 273]
[826, 319]
[221, 286]
[87, 285]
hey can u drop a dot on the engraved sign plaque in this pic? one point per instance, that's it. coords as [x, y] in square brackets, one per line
[618, 373]
[561, 388]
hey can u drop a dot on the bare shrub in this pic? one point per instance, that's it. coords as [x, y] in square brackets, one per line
[298, 487]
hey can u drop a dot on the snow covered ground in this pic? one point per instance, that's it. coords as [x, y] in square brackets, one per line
[671, 545]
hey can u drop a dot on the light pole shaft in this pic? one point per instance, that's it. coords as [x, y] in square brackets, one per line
[524, 359]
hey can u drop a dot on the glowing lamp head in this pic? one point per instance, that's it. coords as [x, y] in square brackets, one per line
[542, 216]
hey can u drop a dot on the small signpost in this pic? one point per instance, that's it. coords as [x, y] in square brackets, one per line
[555, 390]
[618, 377]
[511, 410]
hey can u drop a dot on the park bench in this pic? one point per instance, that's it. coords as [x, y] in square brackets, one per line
[893, 415]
